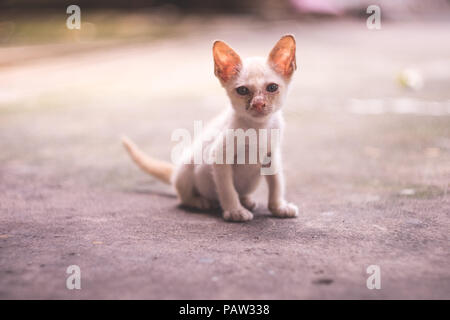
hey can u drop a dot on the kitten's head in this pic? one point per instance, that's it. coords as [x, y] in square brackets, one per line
[256, 86]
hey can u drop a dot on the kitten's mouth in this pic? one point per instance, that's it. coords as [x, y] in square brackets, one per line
[259, 113]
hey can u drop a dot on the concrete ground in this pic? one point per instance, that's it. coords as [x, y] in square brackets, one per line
[367, 161]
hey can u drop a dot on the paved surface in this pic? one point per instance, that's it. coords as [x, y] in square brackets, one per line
[368, 163]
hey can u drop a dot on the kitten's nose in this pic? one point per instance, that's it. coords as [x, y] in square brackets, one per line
[258, 105]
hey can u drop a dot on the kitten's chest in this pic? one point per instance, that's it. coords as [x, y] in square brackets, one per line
[256, 150]
[258, 144]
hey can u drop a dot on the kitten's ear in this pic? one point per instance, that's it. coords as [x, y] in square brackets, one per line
[227, 63]
[282, 56]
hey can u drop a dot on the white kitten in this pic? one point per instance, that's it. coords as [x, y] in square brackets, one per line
[257, 88]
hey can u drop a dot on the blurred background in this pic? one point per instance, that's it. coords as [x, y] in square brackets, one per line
[367, 145]
[147, 66]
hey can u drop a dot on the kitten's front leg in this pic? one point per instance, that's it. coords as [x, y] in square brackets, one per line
[228, 197]
[277, 204]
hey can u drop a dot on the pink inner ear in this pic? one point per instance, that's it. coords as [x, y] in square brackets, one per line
[227, 63]
[282, 56]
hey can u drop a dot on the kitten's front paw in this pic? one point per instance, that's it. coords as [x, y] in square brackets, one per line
[284, 210]
[248, 203]
[238, 215]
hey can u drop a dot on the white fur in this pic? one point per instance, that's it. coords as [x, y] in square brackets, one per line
[205, 186]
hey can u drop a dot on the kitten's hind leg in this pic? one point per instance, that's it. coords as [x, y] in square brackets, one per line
[184, 184]
[248, 203]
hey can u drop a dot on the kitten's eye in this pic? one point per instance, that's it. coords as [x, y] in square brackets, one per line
[242, 90]
[272, 87]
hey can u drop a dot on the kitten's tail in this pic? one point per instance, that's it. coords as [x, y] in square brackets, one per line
[159, 169]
